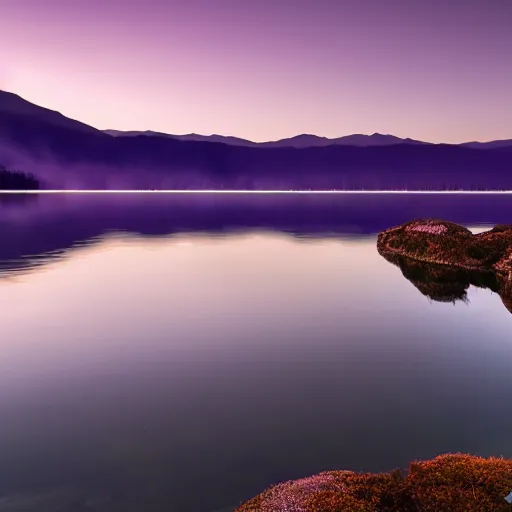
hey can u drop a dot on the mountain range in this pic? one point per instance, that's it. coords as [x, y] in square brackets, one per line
[306, 140]
[299, 141]
[65, 153]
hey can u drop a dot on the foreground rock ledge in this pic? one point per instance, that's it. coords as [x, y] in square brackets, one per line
[446, 243]
[448, 483]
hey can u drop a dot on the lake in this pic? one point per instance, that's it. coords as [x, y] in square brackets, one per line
[183, 353]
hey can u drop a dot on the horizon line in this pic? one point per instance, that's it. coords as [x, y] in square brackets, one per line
[213, 191]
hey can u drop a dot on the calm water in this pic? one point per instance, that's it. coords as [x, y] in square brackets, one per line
[183, 353]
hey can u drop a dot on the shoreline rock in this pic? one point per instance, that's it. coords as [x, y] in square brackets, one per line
[449, 482]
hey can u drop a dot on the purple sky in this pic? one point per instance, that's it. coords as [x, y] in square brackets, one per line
[438, 70]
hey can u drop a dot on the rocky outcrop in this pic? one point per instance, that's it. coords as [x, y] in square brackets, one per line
[451, 482]
[446, 243]
[443, 259]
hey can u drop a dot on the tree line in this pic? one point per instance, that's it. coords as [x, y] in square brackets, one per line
[17, 180]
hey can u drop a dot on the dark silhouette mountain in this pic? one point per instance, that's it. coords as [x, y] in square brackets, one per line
[13, 105]
[64, 154]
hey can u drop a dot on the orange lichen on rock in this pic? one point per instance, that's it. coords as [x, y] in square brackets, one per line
[461, 482]
[448, 483]
[446, 243]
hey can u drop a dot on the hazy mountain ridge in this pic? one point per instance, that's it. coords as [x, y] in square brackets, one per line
[309, 140]
[11, 103]
[64, 155]
[298, 141]
[234, 141]
[493, 144]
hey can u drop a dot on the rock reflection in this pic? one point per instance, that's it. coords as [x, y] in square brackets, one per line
[445, 283]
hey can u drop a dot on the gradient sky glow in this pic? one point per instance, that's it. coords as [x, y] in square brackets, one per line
[438, 70]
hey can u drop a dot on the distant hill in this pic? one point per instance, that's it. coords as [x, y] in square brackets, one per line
[233, 141]
[299, 141]
[489, 145]
[63, 153]
[377, 139]
[307, 140]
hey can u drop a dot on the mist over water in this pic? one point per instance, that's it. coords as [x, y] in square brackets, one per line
[62, 158]
[185, 352]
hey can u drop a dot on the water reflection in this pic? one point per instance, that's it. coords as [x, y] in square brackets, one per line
[41, 229]
[444, 283]
[184, 353]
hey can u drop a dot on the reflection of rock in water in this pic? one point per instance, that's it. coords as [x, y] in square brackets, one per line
[443, 283]
[504, 272]
[506, 294]
[443, 259]
[507, 302]
[438, 282]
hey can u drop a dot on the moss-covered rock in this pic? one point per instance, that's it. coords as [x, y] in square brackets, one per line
[445, 243]
[448, 483]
